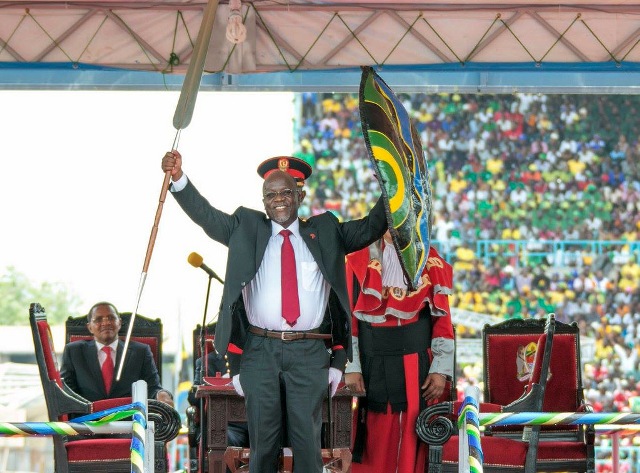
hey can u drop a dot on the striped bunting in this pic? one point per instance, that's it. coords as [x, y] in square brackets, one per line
[558, 418]
[137, 440]
[468, 416]
[84, 425]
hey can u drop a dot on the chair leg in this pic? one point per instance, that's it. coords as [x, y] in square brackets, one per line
[532, 452]
[287, 461]
[193, 460]
[161, 463]
[236, 459]
[339, 460]
[60, 456]
[434, 462]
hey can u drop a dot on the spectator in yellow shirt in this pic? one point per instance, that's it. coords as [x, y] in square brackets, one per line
[457, 184]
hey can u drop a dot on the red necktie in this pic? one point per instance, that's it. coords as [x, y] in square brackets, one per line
[289, 283]
[107, 369]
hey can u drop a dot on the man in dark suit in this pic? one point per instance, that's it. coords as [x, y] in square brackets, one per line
[83, 361]
[295, 333]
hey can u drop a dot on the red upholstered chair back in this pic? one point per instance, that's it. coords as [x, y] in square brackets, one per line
[509, 350]
[535, 389]
[48, 350]
[45, 350]
[59, 398]
[209, 335]
[564, 379]
[536, 372]
[145, 330]
[564, 383]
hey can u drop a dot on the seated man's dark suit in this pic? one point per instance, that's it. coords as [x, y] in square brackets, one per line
[81, 370]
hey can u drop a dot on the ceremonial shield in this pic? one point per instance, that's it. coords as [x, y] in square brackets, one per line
[401, 167]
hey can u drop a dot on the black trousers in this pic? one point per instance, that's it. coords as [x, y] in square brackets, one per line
[277, 375]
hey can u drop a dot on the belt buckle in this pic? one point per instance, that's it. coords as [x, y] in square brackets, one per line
[283, 336]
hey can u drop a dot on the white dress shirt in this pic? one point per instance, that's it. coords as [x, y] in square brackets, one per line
[392, 275]
[262, 296]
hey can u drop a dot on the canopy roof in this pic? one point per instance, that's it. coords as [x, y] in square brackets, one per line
[465, 45]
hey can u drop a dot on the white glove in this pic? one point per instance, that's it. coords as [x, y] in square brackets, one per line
[236, 385]
[335, 376]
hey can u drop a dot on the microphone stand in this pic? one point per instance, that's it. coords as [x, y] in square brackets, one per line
[204, 367]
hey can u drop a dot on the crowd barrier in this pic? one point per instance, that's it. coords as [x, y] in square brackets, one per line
[556, 253]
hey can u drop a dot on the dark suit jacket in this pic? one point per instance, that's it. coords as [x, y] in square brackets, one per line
[246, 233]
[81, 370]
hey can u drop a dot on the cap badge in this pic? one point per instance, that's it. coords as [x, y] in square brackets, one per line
[283, 164]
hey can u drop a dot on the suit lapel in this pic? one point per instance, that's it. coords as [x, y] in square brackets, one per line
[91, 355]
[118, 358]
[262, 240]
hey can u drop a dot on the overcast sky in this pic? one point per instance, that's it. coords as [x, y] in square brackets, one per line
[82, 181]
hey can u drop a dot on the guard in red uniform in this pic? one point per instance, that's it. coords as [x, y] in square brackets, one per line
[403, 354]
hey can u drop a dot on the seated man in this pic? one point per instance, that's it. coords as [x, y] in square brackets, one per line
[88, 366]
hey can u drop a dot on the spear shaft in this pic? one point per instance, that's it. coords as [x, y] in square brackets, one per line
[181, 119]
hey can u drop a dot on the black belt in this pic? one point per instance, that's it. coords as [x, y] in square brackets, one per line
[289, 336]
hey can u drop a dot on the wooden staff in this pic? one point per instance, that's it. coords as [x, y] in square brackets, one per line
[181, 119]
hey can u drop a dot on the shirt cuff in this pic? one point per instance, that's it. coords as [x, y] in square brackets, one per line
[443, 354]
[354, 366]
[180, 184]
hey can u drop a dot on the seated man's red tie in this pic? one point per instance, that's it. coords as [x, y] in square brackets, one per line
[107, 369]
[290, 302]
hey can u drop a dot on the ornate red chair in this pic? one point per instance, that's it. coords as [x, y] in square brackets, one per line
[506, 381]
[87, 455]
[557, 358]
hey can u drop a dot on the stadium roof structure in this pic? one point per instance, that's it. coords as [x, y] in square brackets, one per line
[314, 45]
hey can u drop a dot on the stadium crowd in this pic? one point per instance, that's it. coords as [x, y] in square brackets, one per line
[524, 172]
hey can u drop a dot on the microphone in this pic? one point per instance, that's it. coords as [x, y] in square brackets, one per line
[195, 260]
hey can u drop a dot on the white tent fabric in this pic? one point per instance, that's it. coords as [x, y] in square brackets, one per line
[462, 37]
